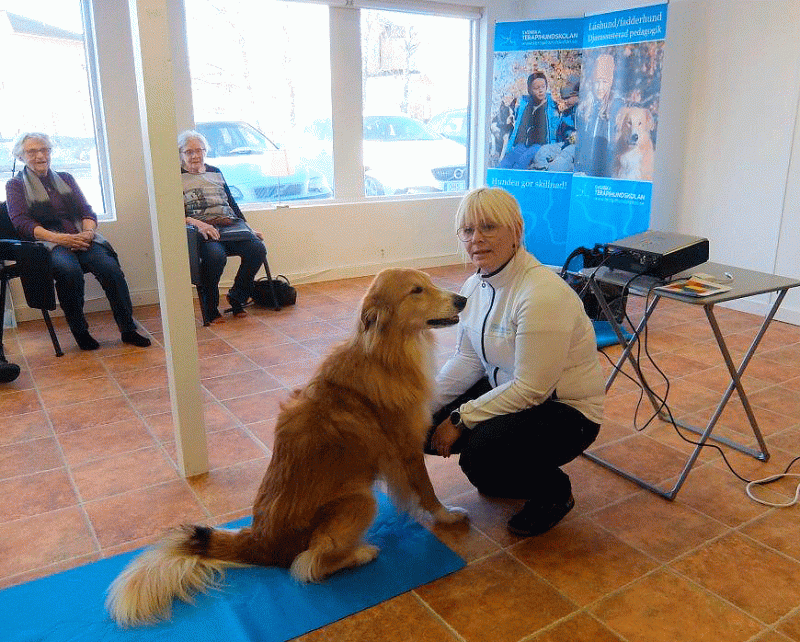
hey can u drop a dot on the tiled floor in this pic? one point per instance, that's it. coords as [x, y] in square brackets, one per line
[87, 470]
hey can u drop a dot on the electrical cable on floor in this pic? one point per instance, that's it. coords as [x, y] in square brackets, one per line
[663, 406]
[771, 479]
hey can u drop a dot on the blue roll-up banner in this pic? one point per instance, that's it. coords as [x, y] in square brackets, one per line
[574, 117]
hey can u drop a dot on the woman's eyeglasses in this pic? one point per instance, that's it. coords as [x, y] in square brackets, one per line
[487, 230]
[37, 150]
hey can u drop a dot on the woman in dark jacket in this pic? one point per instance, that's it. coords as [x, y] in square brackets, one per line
[49, 207]
[209, 206]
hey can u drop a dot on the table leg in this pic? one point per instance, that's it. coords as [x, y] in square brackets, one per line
[736, 382]
[627, 344]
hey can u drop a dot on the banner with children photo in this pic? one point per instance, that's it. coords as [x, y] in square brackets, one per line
[574, 117]
[537, 70]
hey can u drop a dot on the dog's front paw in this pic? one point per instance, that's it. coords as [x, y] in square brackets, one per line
[450, 515]
[364, 554]
[305, 567]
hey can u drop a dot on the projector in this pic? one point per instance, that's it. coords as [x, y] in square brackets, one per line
[659, 254]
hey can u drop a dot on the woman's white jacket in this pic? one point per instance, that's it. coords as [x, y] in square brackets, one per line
[527, 330]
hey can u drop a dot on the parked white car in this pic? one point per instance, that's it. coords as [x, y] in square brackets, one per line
[401, 156]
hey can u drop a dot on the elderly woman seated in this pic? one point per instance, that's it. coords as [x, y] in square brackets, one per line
[210, 207]
[49, 207]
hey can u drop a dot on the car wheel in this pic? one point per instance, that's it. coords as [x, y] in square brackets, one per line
[372, 187]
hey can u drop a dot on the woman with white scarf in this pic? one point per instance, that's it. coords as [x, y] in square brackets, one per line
[49, 207]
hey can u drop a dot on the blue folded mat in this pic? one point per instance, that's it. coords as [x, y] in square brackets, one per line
[254, 604]
[605, 334]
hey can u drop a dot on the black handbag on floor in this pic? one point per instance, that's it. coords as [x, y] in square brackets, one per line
[285, 293]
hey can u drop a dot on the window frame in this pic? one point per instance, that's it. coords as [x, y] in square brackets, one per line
[104, 210]
[108, 212]
[347, 105]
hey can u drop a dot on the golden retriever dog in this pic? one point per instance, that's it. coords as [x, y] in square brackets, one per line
[633, 158]
[362, 417]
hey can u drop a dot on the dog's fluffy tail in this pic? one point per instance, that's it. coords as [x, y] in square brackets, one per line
[187, 561]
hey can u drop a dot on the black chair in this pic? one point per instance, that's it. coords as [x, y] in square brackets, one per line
[192, 234]
[31, 263]
[194, 238]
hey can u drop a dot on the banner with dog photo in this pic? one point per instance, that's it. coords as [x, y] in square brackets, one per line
[573, 125]
[617, 123]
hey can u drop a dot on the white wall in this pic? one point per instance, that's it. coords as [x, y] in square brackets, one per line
[739, 152]
[726, 165]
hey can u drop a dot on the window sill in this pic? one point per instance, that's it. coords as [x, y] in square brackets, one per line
[334, 202]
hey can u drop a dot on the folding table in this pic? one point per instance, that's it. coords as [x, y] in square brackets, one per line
[743, 283]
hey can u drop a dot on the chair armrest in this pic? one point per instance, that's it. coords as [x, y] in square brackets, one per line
[34, 267]
[9, 249]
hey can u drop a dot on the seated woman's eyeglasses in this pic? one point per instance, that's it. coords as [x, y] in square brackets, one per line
[37, 150]
[487, 230]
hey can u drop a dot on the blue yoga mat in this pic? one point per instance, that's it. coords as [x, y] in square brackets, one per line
[254, 605]
[605, 334]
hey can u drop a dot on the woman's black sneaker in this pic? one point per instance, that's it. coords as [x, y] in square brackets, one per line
[536, 518]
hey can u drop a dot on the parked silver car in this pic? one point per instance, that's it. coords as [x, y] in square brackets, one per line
[451, 124]
[245, 157]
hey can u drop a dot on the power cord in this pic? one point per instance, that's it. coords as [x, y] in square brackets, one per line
[771, 479]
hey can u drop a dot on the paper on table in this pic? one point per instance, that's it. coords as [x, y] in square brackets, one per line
[694, 287]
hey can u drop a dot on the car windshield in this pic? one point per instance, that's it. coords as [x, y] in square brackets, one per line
[234, 139]
[396, 128]
[321, 129]
[451, 122]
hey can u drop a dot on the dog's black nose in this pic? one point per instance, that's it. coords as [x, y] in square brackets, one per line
[459, 301]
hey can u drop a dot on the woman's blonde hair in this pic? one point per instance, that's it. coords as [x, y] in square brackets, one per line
[491, 205]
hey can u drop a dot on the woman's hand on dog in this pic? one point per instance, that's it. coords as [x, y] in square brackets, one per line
[444, 437]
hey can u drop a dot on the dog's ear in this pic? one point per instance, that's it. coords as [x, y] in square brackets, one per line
[374, 320]
[369, 317]
[374, 315]
[650, 122]
[621, 119]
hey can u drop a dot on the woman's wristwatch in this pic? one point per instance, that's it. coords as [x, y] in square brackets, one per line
[455, 419]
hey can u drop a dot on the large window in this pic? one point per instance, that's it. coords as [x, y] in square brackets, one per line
[416, 75]
[262, 85]
[49, 35]
[260, 72]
